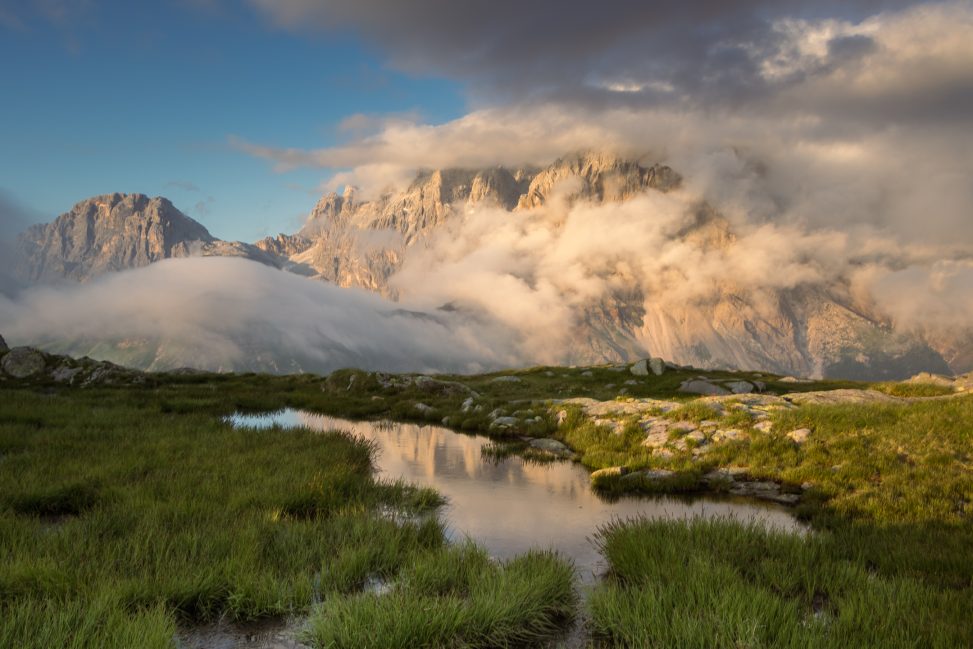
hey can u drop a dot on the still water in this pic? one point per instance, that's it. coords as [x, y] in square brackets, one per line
[510, 506]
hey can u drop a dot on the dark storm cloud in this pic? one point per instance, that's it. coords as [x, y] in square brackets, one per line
[675, 51]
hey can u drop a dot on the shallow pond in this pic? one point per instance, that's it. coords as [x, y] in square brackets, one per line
[509, 506]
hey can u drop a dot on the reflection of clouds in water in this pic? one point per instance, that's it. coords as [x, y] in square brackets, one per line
[509, 506]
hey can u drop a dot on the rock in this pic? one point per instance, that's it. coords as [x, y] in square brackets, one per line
[587, 373]
[764, 426]
[832, 397]
[631, 382]
[551, 446]
[65, 374]
[435, 386]
[927, 378]
[794, 379]
[3, 345]
[640, 368]
[739, 387]
[653, 474]
[22, 362]
[610, 472]
[657, 365]
[727, 435]
[423, 408]
[764, 490]
[504, 422]
[506, 379]
[698, 386]
[800, 435]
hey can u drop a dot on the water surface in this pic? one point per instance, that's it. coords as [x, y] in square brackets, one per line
[510, 506]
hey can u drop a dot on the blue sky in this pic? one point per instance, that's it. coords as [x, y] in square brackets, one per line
[142, 97]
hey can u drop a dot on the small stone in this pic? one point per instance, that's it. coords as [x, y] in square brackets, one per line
[504, 422]
[506, 379]
[631, 382]
[800, 435]
[587, 373]
[467, 405]
[610, 472]
[423, 408]
[551, 446]
[727, 435]
[763, 426]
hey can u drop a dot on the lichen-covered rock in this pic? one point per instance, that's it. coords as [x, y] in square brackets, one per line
[701, 386]
[657, 365]
[831, 397]
[551, 446]
[800, 435]
[23, 362]
[610, 472]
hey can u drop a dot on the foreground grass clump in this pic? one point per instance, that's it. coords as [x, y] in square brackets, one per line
[724, 584]
[122, 516]
[456, 599]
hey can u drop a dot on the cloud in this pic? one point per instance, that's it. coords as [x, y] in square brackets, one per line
[223, 313]
[657, 51]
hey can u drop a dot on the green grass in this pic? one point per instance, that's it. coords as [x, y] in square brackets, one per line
[126, 511]
[723, 584]
[455, 599]
[913, 389]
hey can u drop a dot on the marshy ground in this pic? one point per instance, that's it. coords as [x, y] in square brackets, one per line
[129, 512]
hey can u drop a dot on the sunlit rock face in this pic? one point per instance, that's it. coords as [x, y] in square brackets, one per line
[383, 243]
[117, 232]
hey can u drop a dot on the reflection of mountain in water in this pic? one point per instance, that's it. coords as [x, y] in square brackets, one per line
[509, 506]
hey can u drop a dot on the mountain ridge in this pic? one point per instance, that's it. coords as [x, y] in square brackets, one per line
[359, 242]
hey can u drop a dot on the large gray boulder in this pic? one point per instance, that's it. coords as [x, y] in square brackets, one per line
[657, 365]
[22, 362]
[640, 368]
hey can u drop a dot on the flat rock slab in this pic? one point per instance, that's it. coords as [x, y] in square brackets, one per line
[834, 397]
[699, 386]
[595, 408]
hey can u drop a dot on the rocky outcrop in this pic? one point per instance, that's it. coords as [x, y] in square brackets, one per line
[597, 177]
[117, 232]
[26, 364]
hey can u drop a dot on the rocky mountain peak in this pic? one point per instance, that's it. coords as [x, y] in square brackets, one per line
[601, 176]
[115, 232]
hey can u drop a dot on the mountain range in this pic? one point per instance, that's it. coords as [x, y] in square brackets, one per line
[357, 242]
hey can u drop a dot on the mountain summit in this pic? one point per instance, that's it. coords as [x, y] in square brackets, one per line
[116, 232]
[460, 240]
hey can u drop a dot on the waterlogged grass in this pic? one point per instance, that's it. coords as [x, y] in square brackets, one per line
[124, 512]
[725, 584]
[455, 599]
